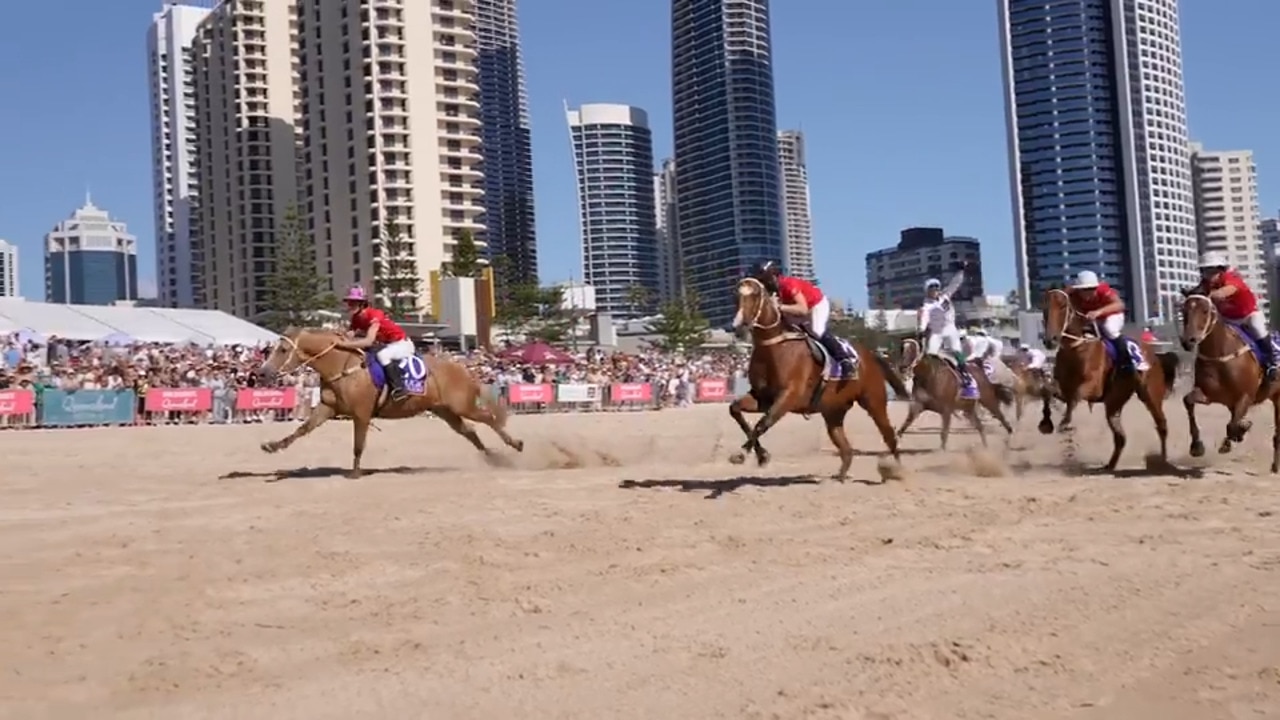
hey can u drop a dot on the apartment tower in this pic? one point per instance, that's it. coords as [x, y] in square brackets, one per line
[613, 155]
[1228, 218]
[670, 269]
[1100, 170]
[795, 196]
[90, 259]
[247, 161]
[171, 79]
[507, 144]
[9, 270]
[391, 131]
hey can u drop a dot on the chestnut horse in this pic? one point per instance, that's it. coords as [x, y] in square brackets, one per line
[1227, 372]
[786, 372]
[1083, 370]
[347, 388]
[935, 386]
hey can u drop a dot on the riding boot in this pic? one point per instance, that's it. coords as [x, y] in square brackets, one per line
[1267, 345]
[1124, 361]
[969, 390]
[394, 382]
[833, 346]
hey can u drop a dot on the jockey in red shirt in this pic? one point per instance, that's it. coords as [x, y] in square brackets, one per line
[371, 326]
[1099, 303]
[1236, 303]
[802, 299]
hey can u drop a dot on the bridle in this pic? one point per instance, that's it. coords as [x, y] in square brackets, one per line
[752, 287]
[1070, 314]
[298, 359]
[915, 360]
[1209, 326]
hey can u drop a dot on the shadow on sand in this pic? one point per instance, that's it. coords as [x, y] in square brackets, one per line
[1153, 468]
[317, 473]
[716, 488]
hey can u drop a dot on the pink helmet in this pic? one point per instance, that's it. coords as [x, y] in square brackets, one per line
[355, 294]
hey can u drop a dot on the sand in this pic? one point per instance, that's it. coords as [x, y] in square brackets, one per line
[621, 568]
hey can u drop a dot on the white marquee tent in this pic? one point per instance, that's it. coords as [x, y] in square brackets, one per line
[164, 325]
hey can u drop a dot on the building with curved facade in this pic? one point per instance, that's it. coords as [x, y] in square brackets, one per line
[1100, 167]
[613, 156]
[729, 187]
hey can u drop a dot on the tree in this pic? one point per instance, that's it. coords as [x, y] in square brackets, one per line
[638, 299]
[396, 282]
[296, 290]
[533, 311]
[466, 257]
[680, 326]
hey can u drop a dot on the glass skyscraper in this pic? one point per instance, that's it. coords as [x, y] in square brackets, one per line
[728, 187]
[1099, 161]
[90, 259]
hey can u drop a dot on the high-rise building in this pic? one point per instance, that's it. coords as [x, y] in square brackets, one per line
[90, 259]
[1227, 216]
[795, 194]
[247, 164]
[613, 155]
[391, 130]
[670, 269]
[8, 270]
[896, 275]
[1269, 232]
[729, 187]
[1100, 171]
[507, 144]
[173, 150]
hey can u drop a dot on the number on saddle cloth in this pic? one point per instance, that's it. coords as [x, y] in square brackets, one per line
[413, 373]
[1135, 352]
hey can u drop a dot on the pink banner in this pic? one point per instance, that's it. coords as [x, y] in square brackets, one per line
[17, 402]
[285, 398]
[524, 393]
[630, 392]
[187, 400]
[712, 390]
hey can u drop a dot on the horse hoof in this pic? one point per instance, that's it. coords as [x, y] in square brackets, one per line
[518, 445]
[354, 474]
[1064, 428]
[1045, 427]
[270, 447]
[1197, 449]
[762, 458]
[738, 458]
[1225, 447]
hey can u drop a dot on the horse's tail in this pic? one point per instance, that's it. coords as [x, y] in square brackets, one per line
[892, 376]
[1169, 366]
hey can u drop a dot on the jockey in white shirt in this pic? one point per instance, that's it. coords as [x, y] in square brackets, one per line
[989, 352]
[937, 321]
[1033, 358]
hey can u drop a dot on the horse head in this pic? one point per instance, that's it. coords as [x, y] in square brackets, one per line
[1199, 317]
[1060, 319]
[299, 348]
[909, 354]
[757, 308]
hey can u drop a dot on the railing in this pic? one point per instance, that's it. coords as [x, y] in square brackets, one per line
[20, 408]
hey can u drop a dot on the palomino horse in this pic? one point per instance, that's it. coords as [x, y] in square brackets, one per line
[787, 372]
[935, 386]
[1084, 370]
[348, 387]
[1030, 384]
[1227, 372]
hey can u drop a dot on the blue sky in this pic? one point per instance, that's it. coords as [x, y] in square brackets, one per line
[900, 102]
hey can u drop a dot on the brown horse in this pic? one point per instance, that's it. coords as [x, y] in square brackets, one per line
[1030, 384]
[1084, 371]
[347, 389]
[787, 375]
[935, 386]
[1227, 372]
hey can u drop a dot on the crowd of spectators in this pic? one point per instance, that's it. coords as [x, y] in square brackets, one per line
[68, 365]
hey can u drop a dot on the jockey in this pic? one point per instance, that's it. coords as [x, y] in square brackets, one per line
[370, 326]
[802, 299]
[989, 351]
[937, 319]
[1236, 303]
[1033, 359]
[1100, 304]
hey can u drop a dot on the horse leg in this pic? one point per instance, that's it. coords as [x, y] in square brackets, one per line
[319, 416]
[991, 401]
[462, 427]
[1064, 425]
[971, 412]
[1189, 401]
[1237, 426]
[1046, 416]
[1155, 406]
[771, 417]
[1275, 434]
[835, 431]
[947, 413]
[496, 422]
[879, 413]
[914, 408]
[1114, 404]
[359, 434]
[737, 409]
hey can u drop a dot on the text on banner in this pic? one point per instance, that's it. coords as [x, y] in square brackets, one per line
[61, 408]
[17, 402]
[266, 398]
[630, 392]
[185, 400]
[713, 389]
[530, 393]
[577, 393]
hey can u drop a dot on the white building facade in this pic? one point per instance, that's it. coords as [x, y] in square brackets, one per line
[795, 201]
[1227, 215]
[670, 269]
[9, 270]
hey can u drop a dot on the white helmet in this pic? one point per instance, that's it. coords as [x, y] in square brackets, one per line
[932, 283]
[1086, 280]
[1214, 259]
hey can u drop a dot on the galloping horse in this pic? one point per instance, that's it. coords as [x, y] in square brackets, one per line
[790, 372]
[1227, 372]
[1030, 384]
[352, 384]
[935, 386]
[1085, 369]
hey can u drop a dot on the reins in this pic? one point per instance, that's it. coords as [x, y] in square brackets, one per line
[764, 298]
[1209, 326]
[304, 361]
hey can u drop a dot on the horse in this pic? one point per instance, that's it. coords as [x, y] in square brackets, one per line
[1228, 371]
[790, 372]
[935, 386]
[353, 384]
[1086, 369]
[1030, 384]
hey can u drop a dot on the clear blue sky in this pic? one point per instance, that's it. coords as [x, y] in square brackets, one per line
[900, 102]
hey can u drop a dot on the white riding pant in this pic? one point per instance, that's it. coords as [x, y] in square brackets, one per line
[819, 317]
[948, 338]
[1255, 323]
[398, 350]
[1112, 326]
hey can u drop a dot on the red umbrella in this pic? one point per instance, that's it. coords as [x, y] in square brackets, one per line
[538, 353]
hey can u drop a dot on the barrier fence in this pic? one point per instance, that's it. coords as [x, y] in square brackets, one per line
[20, 408]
